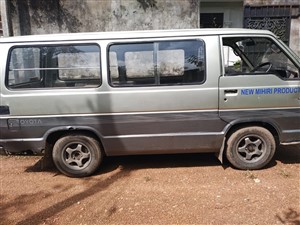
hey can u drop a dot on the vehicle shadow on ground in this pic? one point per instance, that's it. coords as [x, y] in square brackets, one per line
[159, 161]
[288, 154]
[134, 162]
[284, 154]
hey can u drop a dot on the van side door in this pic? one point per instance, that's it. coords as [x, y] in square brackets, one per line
[164, 96]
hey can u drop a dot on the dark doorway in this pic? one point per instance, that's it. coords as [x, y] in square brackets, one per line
[211, 20]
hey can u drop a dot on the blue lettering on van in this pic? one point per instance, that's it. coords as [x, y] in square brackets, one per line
[268, 91]
[263, 91]
[247, 91]
[287, 90]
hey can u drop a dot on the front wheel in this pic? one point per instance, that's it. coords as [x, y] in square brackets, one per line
[250, 148]
[77, 155]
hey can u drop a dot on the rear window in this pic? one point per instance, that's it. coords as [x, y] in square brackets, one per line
[157, 63]
[54, 66]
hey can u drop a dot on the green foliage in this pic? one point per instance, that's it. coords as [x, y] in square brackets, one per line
[237, 65]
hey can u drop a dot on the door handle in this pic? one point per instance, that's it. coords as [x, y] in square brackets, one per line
[231, 91]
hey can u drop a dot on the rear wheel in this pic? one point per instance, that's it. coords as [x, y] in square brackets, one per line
[250, 148]
[77, 155]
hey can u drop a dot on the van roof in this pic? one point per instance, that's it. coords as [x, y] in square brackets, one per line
[130, 34]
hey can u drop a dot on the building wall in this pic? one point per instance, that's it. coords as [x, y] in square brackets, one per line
[26, 17]
[57, 16]
[295, 35]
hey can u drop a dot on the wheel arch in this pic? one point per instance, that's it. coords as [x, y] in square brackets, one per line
[236, 125]
[265, 124]
[54, 134]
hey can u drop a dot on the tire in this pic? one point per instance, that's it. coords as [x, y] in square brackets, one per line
[250, 148]
[77, 155]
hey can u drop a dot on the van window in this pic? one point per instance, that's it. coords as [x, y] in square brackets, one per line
[157, 63]
[256, 55]
[232, 62]
[54, 66]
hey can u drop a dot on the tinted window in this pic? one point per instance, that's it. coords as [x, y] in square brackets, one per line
[54, 66]
[157, 63]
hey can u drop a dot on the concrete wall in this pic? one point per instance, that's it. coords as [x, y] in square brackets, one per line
[295, 35]
[57, 16]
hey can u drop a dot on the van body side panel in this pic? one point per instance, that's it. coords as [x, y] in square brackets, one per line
[122, 134]
[128, 120]
[132, 128]
[193, 125]
[280, 119]
[163, 133]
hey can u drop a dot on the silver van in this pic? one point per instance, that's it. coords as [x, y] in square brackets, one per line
[235, 92]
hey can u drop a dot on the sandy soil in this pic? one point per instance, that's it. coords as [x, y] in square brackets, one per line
[168, 189]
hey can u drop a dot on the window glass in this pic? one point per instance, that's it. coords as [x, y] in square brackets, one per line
[170, 62]
[157, 63]
[54, 66]
[145, 61]
[257, 55]
[24, 66]
[232, 62]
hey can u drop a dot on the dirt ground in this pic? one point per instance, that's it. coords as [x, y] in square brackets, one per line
[163, 189]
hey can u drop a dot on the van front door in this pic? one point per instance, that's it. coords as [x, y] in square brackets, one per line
[260, 86]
